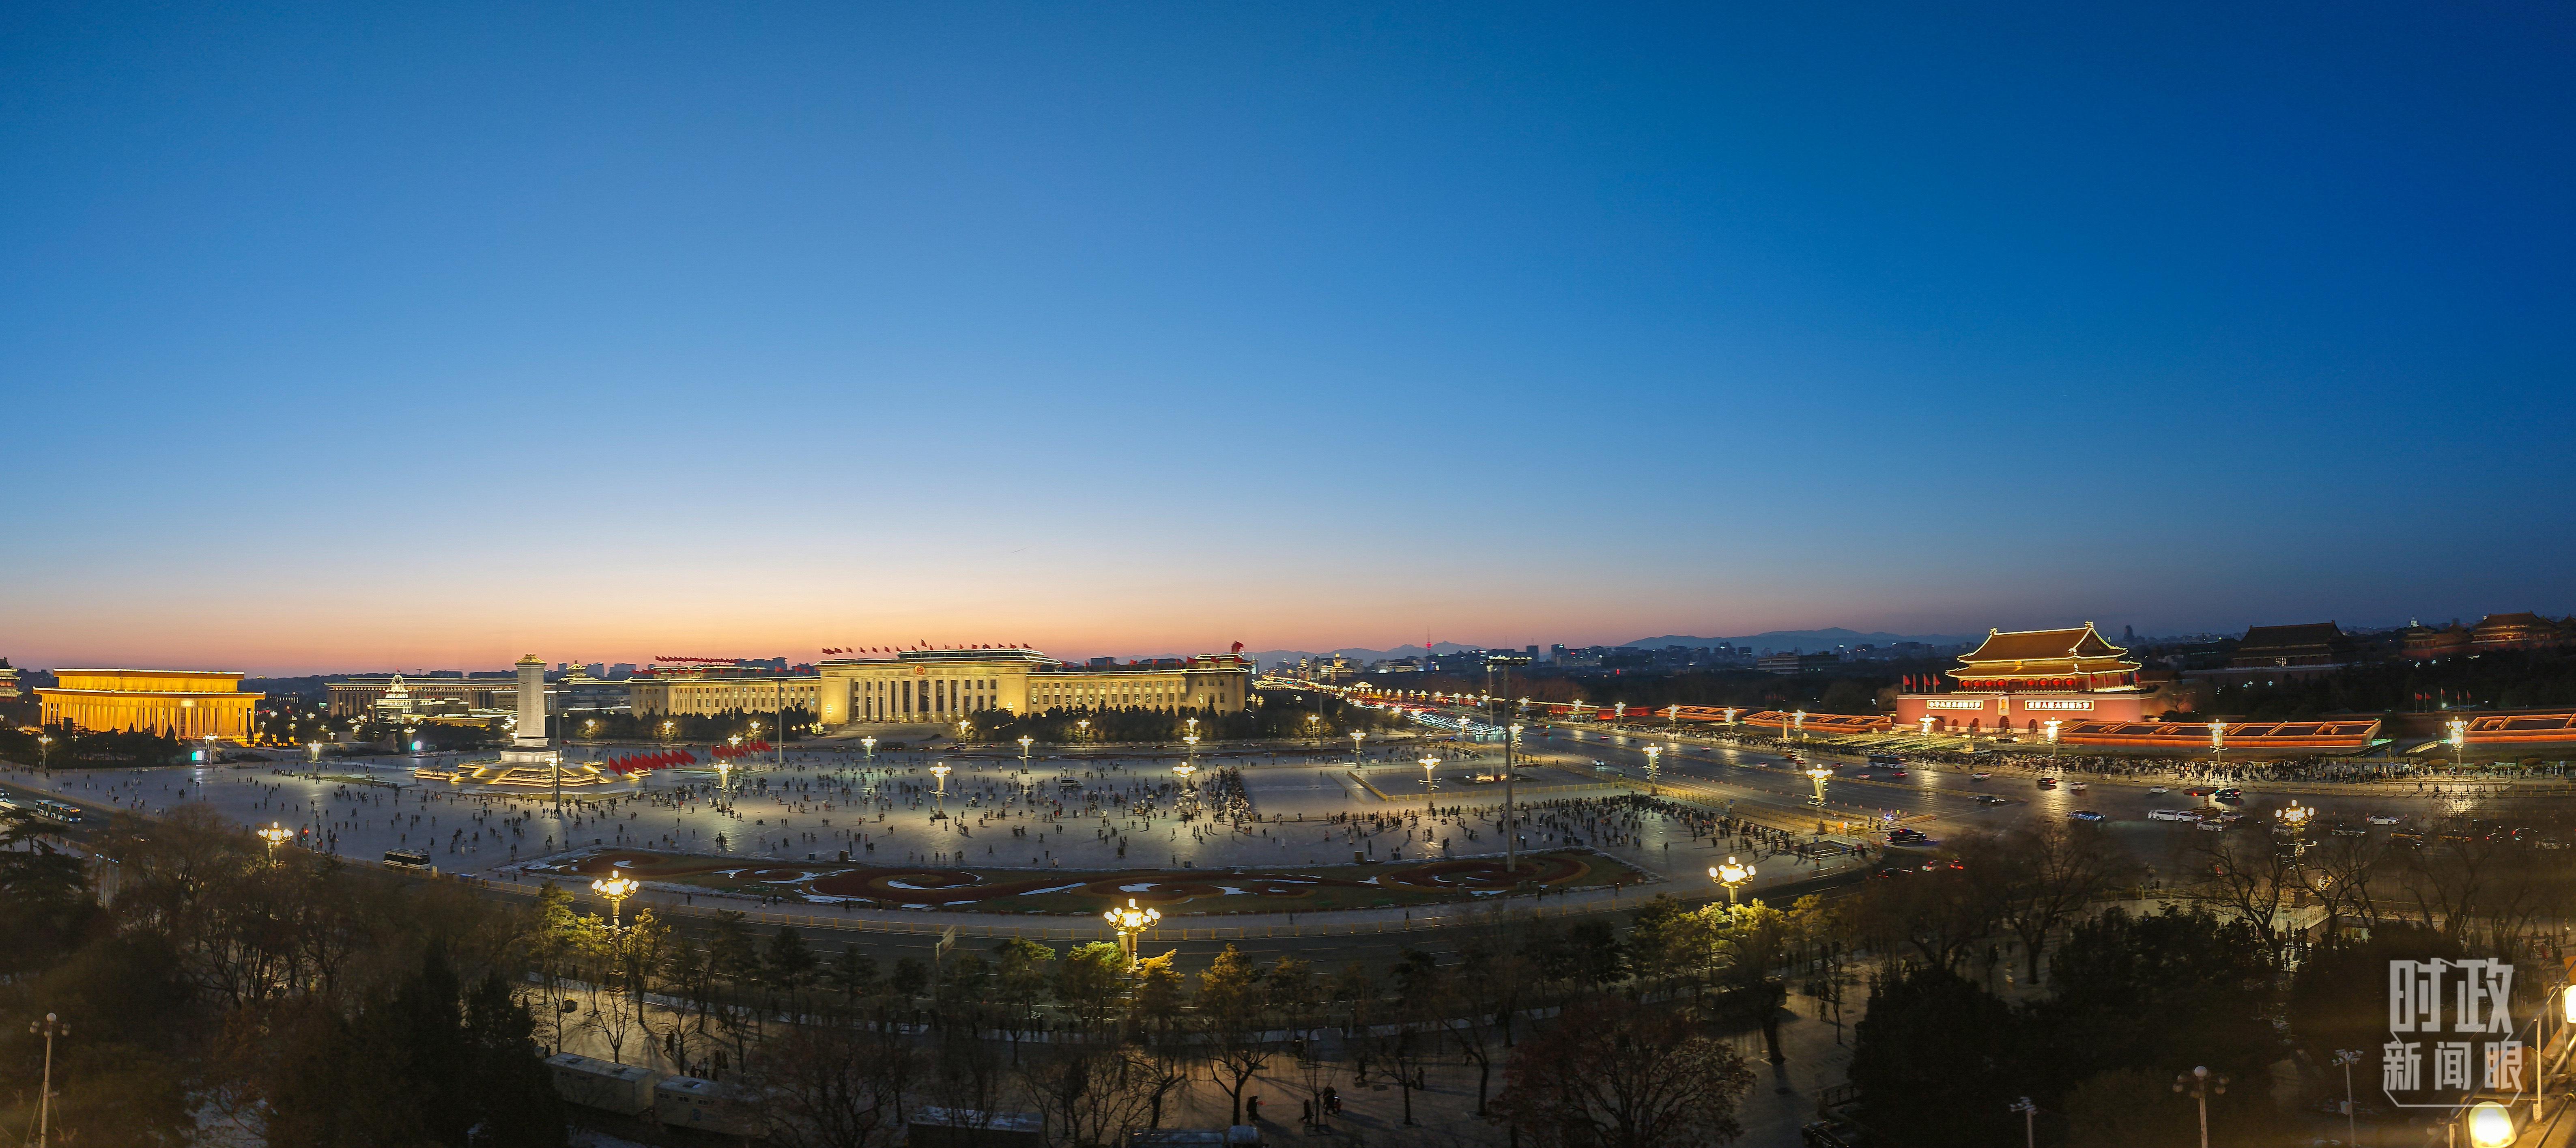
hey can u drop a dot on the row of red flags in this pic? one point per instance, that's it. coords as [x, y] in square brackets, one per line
[641, 762]
[926, 646]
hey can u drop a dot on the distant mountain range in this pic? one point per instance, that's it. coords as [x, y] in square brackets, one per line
[1808, 640]
[1780, 640]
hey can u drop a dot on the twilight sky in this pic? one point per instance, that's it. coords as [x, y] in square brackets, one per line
[338, 336]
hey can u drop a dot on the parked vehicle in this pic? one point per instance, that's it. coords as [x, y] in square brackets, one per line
[2087, 815]
[2171, 815]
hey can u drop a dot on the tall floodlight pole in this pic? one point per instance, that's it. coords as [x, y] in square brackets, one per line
[1511, 827]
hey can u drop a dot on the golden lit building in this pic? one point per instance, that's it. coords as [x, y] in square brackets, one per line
[945, 685]
[717, 691]
[182, 703]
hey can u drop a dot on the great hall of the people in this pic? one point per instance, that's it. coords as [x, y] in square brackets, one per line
[897, 686]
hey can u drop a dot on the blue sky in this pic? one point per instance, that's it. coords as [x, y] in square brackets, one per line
[433, 336]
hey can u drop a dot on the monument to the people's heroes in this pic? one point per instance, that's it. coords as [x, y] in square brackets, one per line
[528, 749]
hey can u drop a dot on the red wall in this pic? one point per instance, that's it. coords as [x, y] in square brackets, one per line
[1953, 712]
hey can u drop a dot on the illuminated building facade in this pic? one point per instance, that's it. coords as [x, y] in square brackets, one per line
[181, 703]
[946, 685]
[719, 690]
[2019, 681]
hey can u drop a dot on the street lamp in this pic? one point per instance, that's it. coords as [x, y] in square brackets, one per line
[617, 889]
[45, 752]
[2199, 1084]
[1356, 735]
[2051, 726]
[2218, 742]
[2459, 740]
[666, 730]
[1798, 725]
[1818, 774]
[2345, 1058]
[1654, 758]
[941, 771]
[49, 1028]
[1185, 771]
[2029, 1117]
[1129, 920]
[1025, 742]
[724, 779]
[275, 836]
[1428, 782]
[1926, 725]
[2490, 1125]
[964, 728]
[1731, 875]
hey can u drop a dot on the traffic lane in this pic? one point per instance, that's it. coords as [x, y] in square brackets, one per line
[1445, 943]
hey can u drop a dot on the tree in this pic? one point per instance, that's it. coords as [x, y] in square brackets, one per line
[1940, 1058]
[1092, 1094]
[1624, 1075]
[1020, 976]
[2206, 983]
[789, 965]
[1234, 1016]
[2046, 872]
[853, 974]
[1089, 979]
[832, 1086]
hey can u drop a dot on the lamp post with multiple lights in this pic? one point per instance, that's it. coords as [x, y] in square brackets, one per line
[48, 1028]
[1130, 920]
[2199, 1085]
[1356, 735]
[1428, 783]
[1818, 774]
[617, 889]
[1731, 875]
[275, 835]
[941, 771]
[1654, 767]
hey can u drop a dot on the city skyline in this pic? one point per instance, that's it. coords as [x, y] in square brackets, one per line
[362, 338]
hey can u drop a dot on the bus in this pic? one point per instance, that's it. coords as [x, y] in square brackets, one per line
[406, 859]
[1886, 759]
[64, 812]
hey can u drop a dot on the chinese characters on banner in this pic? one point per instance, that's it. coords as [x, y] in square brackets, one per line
[2450, 1032]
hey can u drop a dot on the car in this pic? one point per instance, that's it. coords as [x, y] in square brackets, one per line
[2199, 791]
[1980, 775]
[2077, 786]
[1989, 799]
[2230, 793]
[1906, 837]
[2158, 789]
[2087, 815]
[1896, 774]
[2213, 825]
[2383, 819]
[2048, 783]
[2171, 815]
